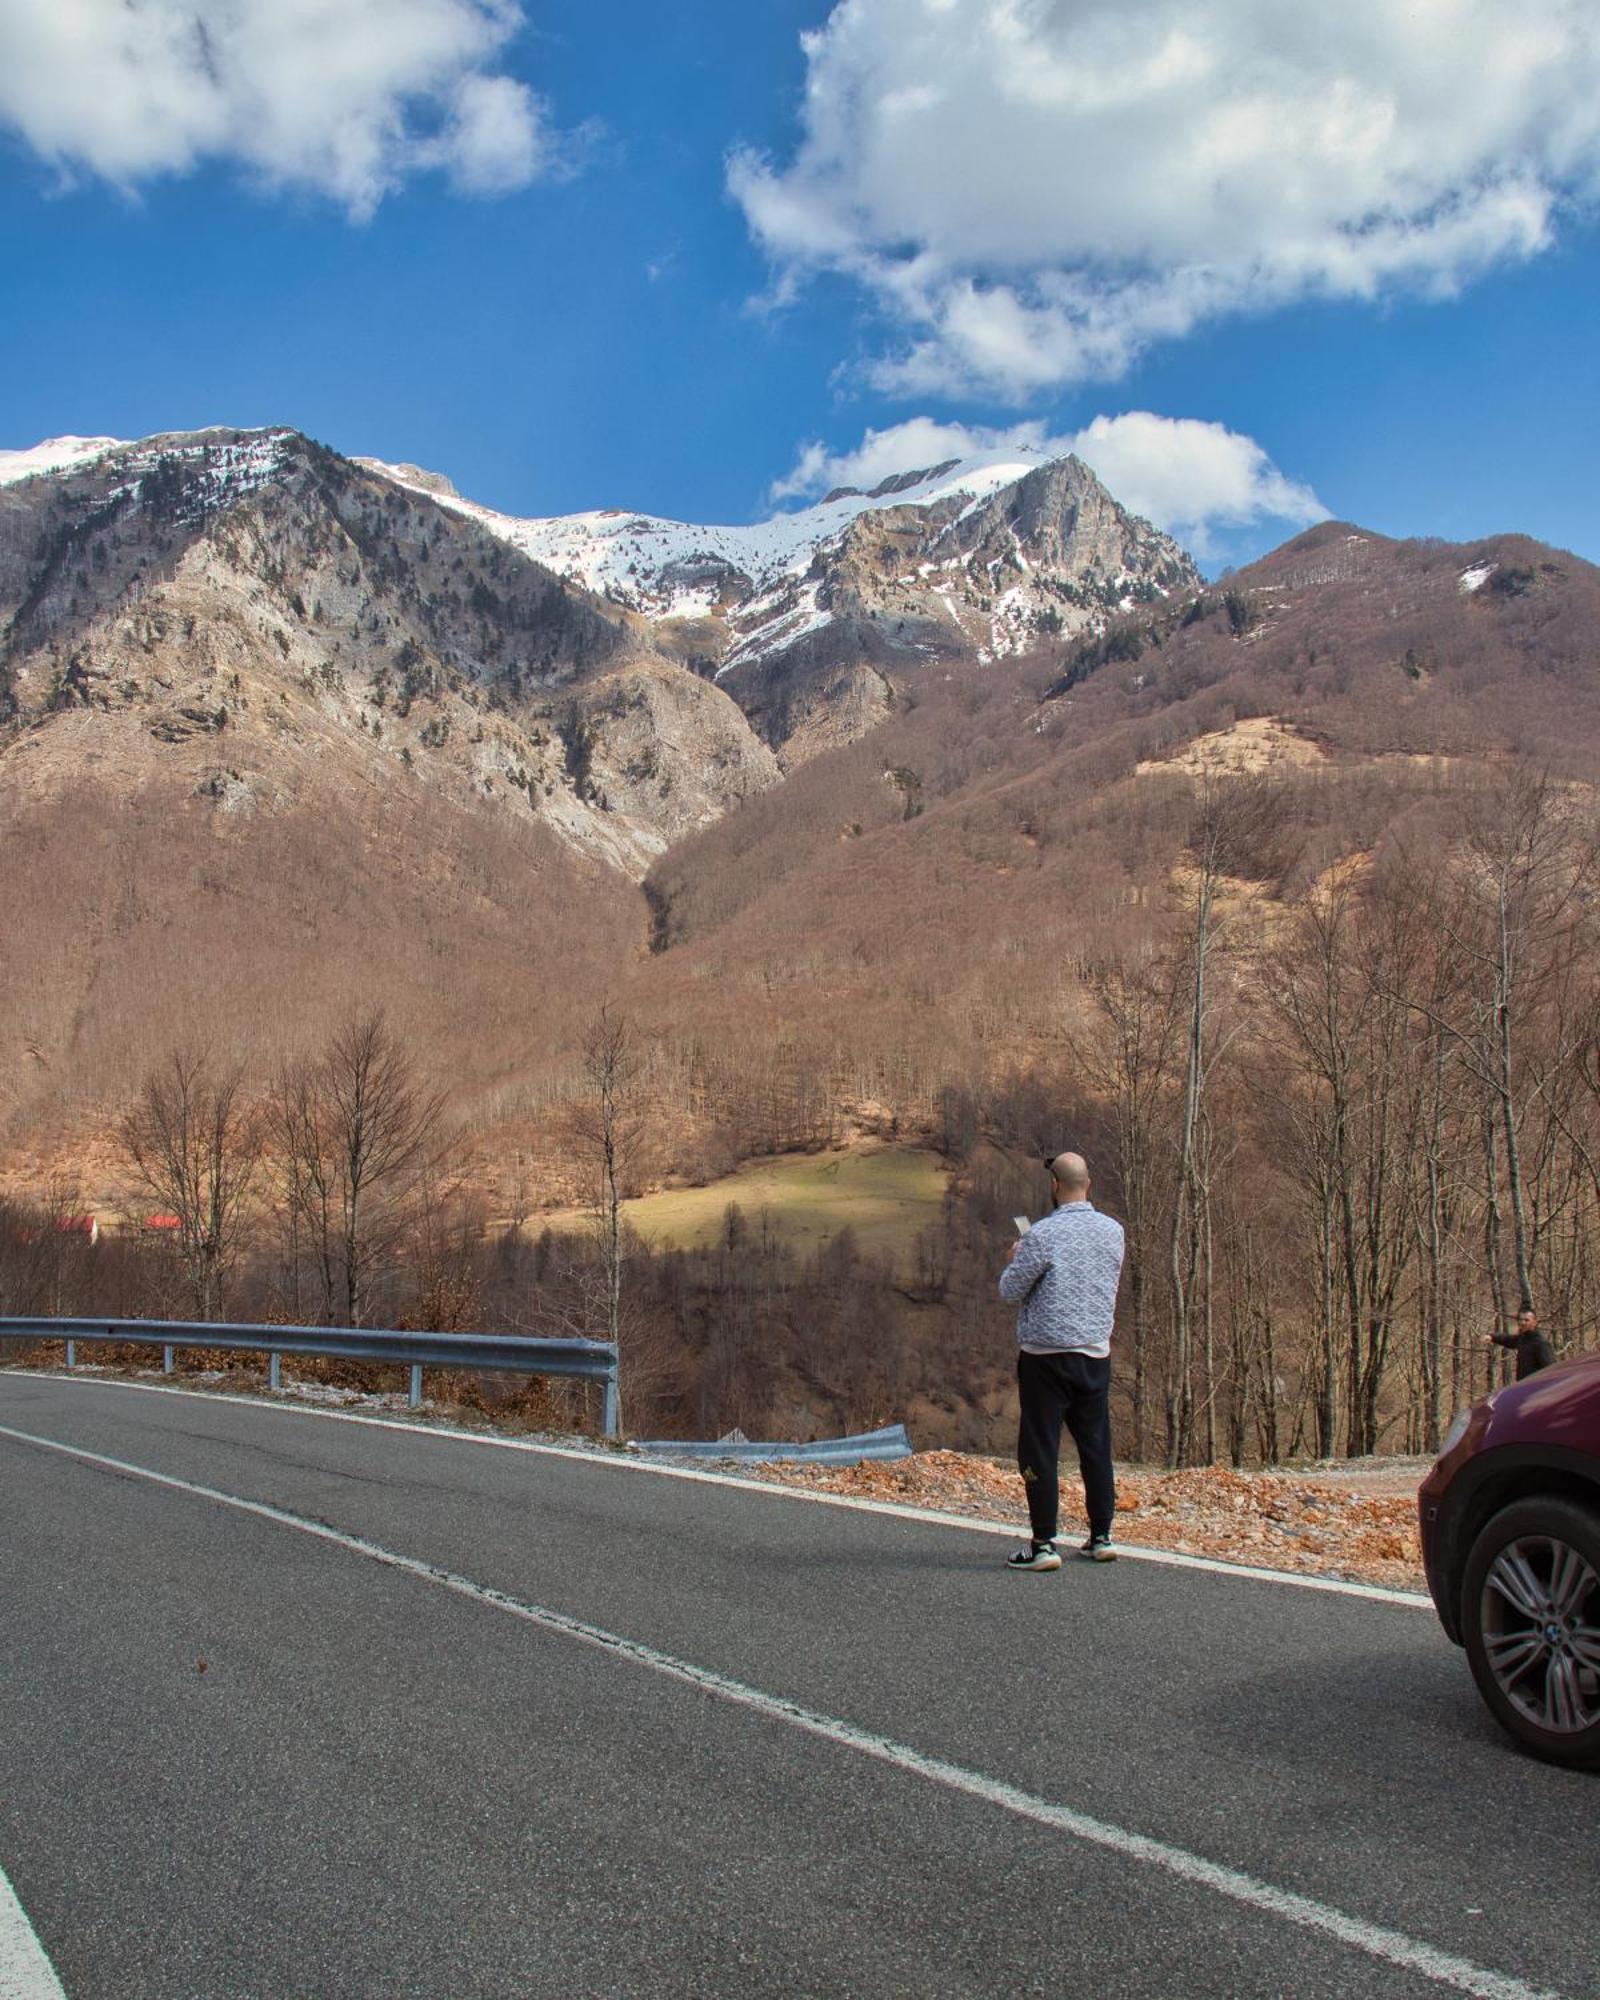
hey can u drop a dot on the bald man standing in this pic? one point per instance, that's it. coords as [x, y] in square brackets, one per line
[1062, 1276]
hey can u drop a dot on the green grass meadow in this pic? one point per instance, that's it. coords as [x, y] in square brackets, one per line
[888, 1197]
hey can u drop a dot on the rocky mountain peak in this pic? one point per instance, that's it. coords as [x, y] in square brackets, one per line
[417, 476]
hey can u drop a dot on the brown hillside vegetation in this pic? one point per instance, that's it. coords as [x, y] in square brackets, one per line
[149, 906]
[982, 836]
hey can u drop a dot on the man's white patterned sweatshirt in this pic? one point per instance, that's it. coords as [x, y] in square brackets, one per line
[1064, 1278]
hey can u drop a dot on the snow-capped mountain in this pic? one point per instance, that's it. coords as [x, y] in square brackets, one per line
[981, 555]
[255, 609]
[677, 569]
[234, 458]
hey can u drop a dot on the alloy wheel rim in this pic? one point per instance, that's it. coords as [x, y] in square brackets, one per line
[1540, 1623]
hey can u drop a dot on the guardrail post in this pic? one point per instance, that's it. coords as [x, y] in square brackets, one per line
[611, 1421]
[166, 1360]
[416, 1385]
[274, 1377]
[72, 1353]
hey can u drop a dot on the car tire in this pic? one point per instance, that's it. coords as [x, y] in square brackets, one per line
[1530, 1620]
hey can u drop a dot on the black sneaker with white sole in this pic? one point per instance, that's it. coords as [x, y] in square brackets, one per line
[1037, 1555]
[1098, 1549]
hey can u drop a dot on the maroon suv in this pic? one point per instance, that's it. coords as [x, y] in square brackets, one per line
[1511, 1539]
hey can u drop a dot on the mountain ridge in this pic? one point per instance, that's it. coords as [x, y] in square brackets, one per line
[805, 619]
[674, 573]
[772, 580]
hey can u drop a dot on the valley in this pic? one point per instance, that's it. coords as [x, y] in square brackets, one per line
[885, 867]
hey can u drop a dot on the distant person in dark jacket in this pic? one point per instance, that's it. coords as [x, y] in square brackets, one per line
[1528, 1344]
[1062, 1276]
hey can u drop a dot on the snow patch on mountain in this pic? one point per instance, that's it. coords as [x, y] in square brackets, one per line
[677, 569]
[233, 463]
[217, 470]
[62, 454]
[775, 620]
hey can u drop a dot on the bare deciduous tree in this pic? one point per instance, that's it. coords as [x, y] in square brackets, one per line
[1129, 1066]
[355, 1138]
[1233, 831]
[193, 1144]
[607, 1126]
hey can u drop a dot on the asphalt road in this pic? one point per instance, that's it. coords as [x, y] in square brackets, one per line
[380, 1784]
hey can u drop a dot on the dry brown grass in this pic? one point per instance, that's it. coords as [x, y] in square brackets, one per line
[1260, 743]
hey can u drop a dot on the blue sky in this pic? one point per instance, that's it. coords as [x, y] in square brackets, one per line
[658, 277]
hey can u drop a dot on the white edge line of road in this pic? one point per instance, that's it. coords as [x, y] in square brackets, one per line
[621, 1462]
[25, 1969]
[1393, 1947]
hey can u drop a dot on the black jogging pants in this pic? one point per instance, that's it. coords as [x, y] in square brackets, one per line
[1074, 1389]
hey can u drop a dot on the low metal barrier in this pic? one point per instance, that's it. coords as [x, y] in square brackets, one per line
[894, 1441]
[508, 1353]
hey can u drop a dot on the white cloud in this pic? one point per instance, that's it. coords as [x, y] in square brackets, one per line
[1197, 480]
[493, 142]
[1192, 478]
[346, 97]
[1036, 190]
[907, 447]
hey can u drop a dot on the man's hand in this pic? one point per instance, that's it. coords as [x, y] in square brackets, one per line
[1012, 1252]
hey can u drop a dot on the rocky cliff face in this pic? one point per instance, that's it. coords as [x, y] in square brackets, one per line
[1048, 556]
[256, 593]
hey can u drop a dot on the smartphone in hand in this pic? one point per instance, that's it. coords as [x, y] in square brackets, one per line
[1023, 1224]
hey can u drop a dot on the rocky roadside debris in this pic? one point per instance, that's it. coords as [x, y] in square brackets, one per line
[1357, 1521]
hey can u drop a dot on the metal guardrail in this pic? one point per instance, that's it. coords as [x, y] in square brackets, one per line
[894, 1441]
[514, 1354]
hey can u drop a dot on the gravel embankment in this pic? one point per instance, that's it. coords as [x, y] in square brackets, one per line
[1356, 1521]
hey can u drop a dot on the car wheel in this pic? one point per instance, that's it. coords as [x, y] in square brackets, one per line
[1530, 1605]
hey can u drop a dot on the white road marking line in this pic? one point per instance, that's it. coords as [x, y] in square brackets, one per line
[1393, 1947]
[1335, 1586]
[25, 1970]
